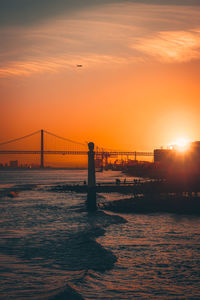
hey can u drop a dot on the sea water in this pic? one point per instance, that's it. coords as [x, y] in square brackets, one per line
[52, 248]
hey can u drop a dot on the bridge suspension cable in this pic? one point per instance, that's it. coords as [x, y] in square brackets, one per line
[20, 138]
[64, 139]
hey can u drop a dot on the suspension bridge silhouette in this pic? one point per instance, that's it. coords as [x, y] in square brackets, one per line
[71, 147]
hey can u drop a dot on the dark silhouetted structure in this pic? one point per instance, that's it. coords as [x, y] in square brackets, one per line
[179, 165]
[91, 196]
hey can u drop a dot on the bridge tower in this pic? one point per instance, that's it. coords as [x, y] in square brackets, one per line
[42, 150]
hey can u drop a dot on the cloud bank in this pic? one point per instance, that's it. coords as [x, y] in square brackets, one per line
[105, 36]
[171, 46]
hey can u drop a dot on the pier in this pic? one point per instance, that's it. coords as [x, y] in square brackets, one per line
[135, 188]
[143, 197]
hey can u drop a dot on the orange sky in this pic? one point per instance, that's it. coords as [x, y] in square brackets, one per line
[138, 88]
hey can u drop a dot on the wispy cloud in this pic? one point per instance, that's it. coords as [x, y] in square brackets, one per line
[170, 46]
[110, 35]
[56, 64]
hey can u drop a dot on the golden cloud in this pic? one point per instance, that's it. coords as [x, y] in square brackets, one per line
[171, 46]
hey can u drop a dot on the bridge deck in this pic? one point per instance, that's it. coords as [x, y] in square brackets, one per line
[75, 152]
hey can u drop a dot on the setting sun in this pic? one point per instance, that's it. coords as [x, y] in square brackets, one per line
[182, 144]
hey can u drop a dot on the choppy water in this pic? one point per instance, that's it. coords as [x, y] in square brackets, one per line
[51, 248]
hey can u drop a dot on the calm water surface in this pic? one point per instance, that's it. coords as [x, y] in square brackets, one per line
[51, 248]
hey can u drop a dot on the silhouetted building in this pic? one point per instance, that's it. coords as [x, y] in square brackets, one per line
[13, 163]
[164, 156]
[181, 163]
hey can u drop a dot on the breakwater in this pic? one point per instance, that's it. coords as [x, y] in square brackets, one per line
[146, 196]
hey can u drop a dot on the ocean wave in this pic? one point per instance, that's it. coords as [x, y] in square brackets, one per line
[71, 250]
[67, 292]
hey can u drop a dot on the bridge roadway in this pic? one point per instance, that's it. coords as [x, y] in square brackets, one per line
[74, 152]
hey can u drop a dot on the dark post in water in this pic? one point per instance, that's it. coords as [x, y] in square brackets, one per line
[42, 150]
[91, 196]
